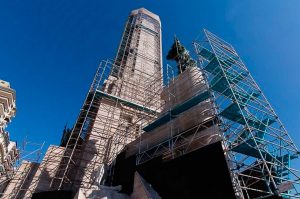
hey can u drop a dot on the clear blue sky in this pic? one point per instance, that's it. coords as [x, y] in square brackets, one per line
[49, 51]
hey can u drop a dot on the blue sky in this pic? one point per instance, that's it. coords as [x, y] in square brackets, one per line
[49, 51]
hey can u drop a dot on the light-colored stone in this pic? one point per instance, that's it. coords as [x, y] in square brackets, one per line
[102, 193]
[8, 149]
[142, 189]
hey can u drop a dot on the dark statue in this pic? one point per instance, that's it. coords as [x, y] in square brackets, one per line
[181, 56]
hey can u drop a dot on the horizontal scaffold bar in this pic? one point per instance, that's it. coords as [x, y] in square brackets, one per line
[126, 102]
[168, 116]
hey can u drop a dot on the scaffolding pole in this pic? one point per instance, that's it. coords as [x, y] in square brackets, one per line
[258, 147]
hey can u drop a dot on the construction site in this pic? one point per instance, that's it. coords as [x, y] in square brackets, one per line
[204, 129]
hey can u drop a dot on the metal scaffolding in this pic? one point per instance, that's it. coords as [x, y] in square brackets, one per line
[257, 145]
[217, 100]
[15, 182]
[124, 97]
[107, 122]
[187, 121]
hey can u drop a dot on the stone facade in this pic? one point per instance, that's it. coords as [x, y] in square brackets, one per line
[136, 77]
[8, 150]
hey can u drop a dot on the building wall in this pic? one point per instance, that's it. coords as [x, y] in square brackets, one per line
[34, 177]
[139, 59]
[7, 103]
[8, 150]
[195, 123]
[47, 169]
[137, 77]
[18, 185]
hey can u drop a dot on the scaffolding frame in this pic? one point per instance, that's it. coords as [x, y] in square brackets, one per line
[257, 145]
[120, 100]
[113, 132]
[180, 137]
[29, 152]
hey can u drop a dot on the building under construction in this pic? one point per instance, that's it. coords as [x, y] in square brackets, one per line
[209, 132]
